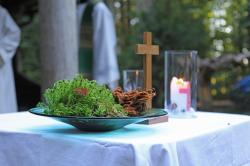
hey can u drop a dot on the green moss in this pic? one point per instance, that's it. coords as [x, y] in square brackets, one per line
[98, 101]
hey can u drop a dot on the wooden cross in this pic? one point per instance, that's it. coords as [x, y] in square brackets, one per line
[148, 50]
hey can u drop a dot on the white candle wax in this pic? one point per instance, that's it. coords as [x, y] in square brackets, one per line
[180, 94]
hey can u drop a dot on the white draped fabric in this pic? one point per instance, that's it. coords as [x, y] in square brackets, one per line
[105, 65]
[9, 40]
[211, 139]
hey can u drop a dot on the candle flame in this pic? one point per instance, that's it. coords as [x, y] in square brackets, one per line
[179, 81]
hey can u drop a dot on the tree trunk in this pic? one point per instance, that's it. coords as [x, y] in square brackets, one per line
[59, 49]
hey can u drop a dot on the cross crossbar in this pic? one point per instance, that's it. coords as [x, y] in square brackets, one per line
[147, 49]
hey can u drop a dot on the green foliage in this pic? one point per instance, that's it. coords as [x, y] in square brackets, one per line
[221, 83]
[97, 101]
[29, 62]
[179, 25]
[228, 19]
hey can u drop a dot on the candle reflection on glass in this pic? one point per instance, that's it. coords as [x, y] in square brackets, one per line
[132, 79]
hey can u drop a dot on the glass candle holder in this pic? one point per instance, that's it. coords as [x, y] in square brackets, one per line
[132, 79]
[180, 84]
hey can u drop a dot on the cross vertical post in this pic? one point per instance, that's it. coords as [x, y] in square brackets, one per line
[147, 49]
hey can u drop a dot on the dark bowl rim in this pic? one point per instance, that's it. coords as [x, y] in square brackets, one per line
[163, 113]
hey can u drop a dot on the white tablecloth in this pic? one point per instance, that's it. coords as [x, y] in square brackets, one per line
[211, 139]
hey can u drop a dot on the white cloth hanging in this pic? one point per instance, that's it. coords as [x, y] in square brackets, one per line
[105, 66]
[9, 41]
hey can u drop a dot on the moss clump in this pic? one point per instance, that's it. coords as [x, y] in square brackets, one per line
[80, 97]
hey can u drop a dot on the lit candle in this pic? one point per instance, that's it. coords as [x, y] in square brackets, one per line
[180, 94]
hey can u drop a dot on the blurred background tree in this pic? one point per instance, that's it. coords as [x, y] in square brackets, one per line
[218, 29]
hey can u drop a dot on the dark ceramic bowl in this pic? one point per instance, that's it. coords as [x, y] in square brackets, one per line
[101, 123]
